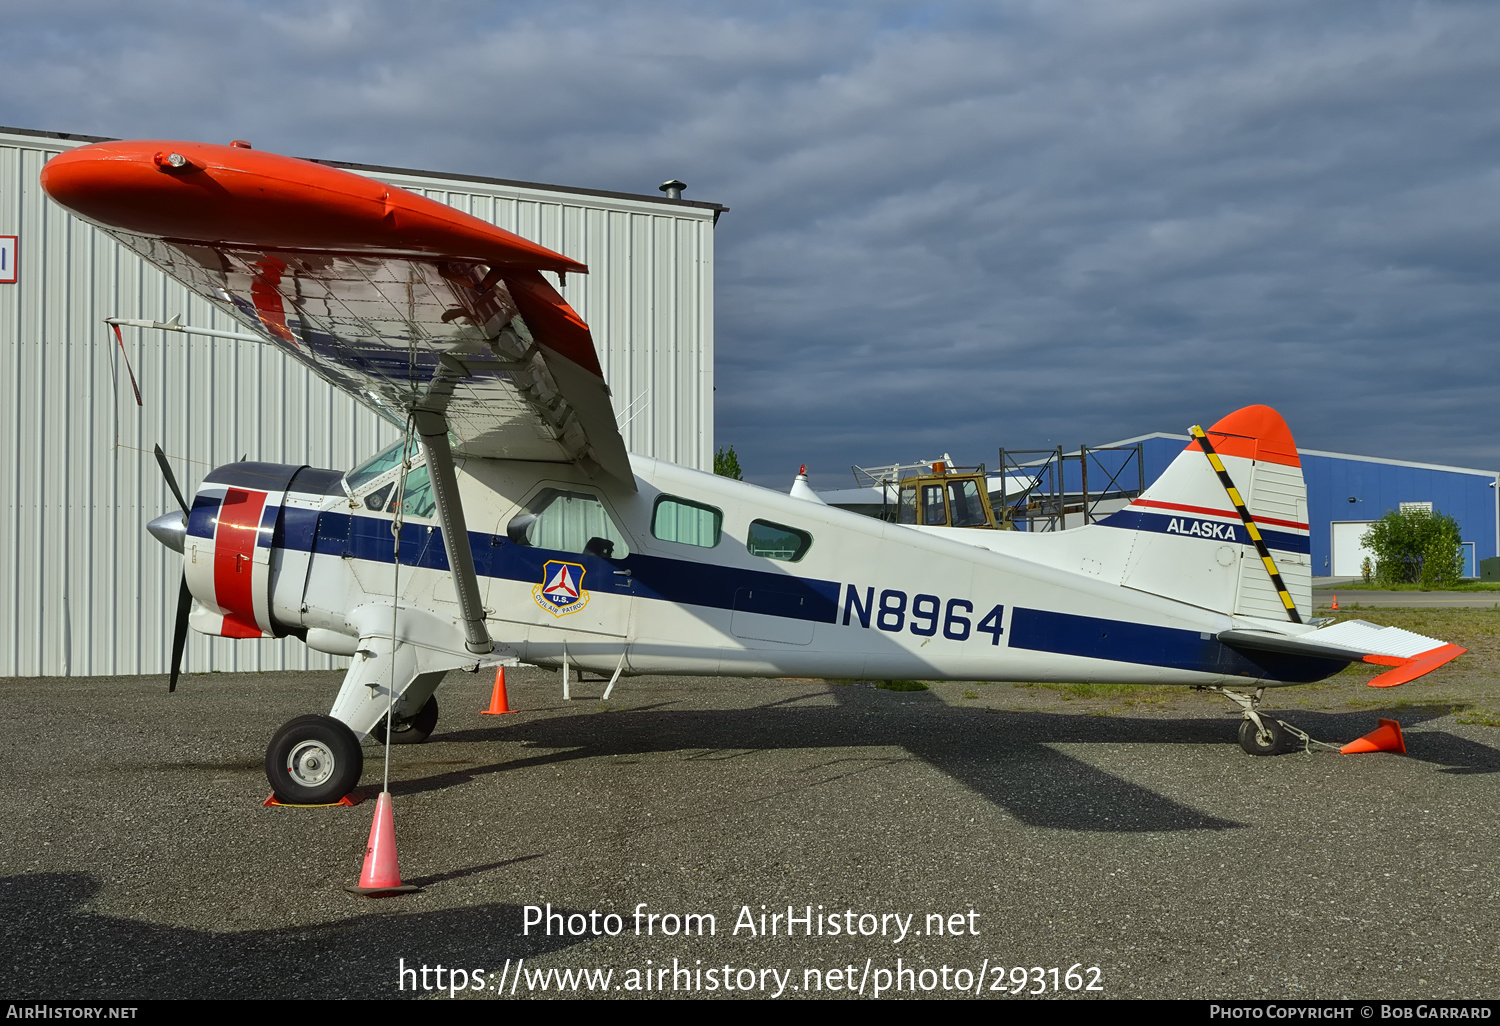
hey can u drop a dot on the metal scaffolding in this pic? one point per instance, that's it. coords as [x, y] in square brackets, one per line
[1062, 487]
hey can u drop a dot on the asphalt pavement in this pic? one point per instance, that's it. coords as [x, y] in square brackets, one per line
[139, 862]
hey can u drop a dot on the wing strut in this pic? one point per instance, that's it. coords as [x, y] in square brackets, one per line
[432, 429]
[1244, 512]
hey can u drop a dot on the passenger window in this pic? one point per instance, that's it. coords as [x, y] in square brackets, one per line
[965, 505]
[677, 520]
[906, 511]
[932, 505]
[777, 541]
[574, 522]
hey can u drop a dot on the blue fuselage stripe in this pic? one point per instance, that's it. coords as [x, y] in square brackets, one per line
[653, 577]
[1040, 630]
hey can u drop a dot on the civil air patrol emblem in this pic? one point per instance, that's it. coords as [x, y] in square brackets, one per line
[561, 591]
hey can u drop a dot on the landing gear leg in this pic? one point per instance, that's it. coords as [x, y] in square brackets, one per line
[412, 730]
[1260, 735]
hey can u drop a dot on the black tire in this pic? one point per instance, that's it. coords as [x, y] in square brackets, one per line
[413, 731]
[313, 760]
[1253, 744]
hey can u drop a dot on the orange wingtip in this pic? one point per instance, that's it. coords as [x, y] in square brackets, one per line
[229, 195]
[1253, 433]
[1410, 669]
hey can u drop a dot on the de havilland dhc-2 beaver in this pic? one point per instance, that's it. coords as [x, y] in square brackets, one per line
[511, 524]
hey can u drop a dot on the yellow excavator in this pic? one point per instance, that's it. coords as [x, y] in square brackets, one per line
[949, 496]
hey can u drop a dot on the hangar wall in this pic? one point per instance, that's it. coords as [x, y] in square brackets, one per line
[83, 589]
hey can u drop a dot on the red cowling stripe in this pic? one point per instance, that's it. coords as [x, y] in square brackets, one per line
[234, 561]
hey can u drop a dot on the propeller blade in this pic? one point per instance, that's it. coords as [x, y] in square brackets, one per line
[166, 471]
[179, 630]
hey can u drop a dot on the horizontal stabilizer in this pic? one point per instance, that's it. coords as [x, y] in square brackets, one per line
[1410, 654]
[1285, 644]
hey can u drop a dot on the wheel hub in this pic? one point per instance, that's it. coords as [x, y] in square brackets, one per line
[310, 763]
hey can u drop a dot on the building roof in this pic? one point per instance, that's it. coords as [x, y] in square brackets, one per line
[1321, 452]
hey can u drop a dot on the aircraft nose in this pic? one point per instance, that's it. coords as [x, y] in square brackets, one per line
[170, 529]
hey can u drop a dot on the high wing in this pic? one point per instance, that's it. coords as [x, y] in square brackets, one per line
[406, 304]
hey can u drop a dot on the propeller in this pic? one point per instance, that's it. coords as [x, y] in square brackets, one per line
[184, 594]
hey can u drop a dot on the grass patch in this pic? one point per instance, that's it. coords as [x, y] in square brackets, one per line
[1361, 586]
[903, 685]
[1484, 719]
[971, 695]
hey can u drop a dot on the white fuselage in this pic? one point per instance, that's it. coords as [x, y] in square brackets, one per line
[866, 599]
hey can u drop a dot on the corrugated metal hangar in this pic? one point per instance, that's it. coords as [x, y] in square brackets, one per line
[1345, 493]
[83, 589]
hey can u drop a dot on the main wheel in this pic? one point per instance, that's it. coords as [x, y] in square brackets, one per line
[1273, 742]
[313, 760]
[413, 731]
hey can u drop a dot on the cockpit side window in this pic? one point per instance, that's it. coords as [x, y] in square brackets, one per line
[568, 521]
[378, 477]
[420, 502]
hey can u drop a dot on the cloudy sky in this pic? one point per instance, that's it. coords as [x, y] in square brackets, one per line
[956, 225]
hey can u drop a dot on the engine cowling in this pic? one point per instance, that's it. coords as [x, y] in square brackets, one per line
[229, 548]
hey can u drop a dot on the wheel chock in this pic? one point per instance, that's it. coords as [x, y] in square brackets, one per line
[1384, 738]
[349, 800]
[381, 876]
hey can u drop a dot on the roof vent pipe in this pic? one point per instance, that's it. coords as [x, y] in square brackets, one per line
[673, 189]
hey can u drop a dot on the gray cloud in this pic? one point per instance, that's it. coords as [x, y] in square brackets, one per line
[955, 226]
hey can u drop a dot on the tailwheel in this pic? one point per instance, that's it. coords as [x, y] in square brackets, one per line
[1268, 737]
[411, 731]
[313, 760]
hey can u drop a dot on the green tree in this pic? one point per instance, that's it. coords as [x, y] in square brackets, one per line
[727, 464]
[1414, 546]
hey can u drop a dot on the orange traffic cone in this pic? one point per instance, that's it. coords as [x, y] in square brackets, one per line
[1335, 603]
[381, 875]
[1384, 738]
[498, 705]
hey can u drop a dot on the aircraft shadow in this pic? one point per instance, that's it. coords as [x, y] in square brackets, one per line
[52, 947]
[1006, 758]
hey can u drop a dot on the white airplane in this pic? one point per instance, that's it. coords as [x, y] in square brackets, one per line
[512, 525]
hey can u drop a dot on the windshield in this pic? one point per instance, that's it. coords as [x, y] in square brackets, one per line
[373, 467]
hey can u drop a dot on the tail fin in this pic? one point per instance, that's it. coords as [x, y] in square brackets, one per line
[1192, 545]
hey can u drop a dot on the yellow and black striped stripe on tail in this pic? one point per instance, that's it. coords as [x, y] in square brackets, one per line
[1239, 506]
